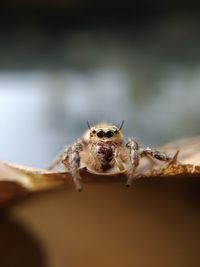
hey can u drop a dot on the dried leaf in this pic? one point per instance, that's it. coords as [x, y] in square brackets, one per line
[17, 181]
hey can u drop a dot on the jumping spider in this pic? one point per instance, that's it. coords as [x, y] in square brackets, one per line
[101, 149]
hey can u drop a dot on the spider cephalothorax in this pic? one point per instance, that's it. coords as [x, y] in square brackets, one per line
[103, 140]
[105, 133]
[101, 149]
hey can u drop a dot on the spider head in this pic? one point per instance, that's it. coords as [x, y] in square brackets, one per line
[104, 132]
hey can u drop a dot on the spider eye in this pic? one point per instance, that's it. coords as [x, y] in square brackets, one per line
[109, 134]
[93, 131]
[100, 134]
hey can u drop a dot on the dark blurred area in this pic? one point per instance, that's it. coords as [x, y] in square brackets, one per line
[65, 62]
[18, 246]
[77, 34]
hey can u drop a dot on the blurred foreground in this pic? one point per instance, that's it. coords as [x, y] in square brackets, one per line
[154, 223]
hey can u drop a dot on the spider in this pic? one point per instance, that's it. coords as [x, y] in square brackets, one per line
[101, 149]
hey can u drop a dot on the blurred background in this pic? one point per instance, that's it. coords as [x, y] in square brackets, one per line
[65, 62]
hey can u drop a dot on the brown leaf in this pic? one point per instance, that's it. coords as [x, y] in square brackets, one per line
[17, 181]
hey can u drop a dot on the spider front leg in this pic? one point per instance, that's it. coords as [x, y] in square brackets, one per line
[137, 153]
[72, 163]
[134, 157]
[154, 154]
